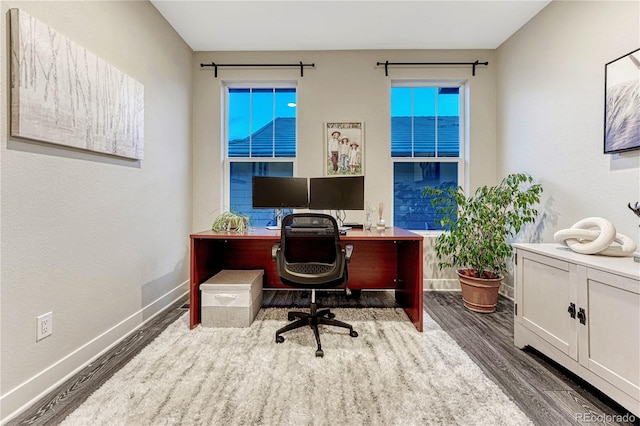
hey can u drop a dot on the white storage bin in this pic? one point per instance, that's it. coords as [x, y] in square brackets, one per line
[231, 298]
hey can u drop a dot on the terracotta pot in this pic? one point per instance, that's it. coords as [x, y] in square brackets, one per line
[479, 294]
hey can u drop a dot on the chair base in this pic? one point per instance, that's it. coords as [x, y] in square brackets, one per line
[313, 319]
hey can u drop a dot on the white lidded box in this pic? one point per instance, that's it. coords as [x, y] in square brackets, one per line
[231, 298]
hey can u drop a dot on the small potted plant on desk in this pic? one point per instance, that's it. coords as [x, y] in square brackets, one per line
[476, 229]
[230, 221]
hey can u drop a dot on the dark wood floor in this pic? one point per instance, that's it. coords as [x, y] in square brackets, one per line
[546, 392]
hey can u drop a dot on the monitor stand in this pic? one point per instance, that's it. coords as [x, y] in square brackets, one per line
[278, 221]
[340, 216]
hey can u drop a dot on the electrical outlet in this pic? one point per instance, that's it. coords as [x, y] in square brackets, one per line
[44, 326]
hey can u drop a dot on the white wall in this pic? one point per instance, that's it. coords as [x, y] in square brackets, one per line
[101, 242]
[551, 110]
[344, 85]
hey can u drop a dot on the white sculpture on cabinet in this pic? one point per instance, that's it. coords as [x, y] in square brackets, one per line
[595, 235]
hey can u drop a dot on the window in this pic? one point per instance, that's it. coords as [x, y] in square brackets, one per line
[426, 149]
[260, 140]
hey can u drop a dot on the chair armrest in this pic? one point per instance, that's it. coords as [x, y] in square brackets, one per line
[274, 251]
[348, 249]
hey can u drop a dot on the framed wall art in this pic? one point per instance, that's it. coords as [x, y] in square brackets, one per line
[344, 148]
[622, 103]
[63, 94]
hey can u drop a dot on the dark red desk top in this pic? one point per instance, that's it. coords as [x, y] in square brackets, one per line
[259, 233]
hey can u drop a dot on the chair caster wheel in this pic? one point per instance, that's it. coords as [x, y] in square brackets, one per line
[353, 333]
[319, 353]
[279, 339]
[331, 315]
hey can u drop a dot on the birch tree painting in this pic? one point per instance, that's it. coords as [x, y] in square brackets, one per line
[63, 94]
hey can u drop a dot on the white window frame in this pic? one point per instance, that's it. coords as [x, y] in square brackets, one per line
[463, 86]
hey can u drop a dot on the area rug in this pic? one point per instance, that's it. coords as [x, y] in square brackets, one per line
[389, 375]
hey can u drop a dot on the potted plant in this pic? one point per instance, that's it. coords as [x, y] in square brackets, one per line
[476, 230]
[230, 221]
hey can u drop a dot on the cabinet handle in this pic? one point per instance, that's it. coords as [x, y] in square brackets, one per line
[572, 310]
[582, 316]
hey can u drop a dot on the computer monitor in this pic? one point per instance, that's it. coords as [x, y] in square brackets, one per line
[336, 193]
[277, 192]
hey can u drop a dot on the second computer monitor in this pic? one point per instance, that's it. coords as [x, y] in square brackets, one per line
[336, 193]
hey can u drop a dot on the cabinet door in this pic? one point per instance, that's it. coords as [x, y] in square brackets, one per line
[546, 287]
[610, 339]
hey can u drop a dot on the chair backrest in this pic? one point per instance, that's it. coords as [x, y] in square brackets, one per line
[310, 255]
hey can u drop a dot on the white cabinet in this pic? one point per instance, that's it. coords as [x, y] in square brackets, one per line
[582, 311]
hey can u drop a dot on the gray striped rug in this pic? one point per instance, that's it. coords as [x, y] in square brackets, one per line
[389, 375]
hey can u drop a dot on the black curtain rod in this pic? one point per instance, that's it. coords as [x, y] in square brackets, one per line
[216, 66]
[387, 63]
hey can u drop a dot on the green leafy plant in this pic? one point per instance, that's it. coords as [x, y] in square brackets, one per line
[230, 221]
[477, 227]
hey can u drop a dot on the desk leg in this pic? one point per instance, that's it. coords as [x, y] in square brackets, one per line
[194, 293]
[205, 262]
[194, 307]
[409, 293]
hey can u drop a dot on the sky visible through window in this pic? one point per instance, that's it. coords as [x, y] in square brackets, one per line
[423, 101]
[251, 109]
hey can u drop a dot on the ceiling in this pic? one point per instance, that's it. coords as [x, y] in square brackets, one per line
[240, 25]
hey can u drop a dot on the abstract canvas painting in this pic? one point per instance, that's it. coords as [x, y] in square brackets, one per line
[622, 103]
[63, 94]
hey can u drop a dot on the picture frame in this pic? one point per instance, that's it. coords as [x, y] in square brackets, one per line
[622, 103]
[344, 148]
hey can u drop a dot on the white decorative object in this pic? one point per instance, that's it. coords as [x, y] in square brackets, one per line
[61, 93]
[582, 312]
[583, 238]
[380, 226]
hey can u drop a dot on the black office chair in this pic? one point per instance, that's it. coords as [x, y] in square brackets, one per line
[309, 256]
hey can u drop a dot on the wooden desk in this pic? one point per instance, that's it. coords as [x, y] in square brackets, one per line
[381, 260]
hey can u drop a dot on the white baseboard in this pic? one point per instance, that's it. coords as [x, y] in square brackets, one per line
[29, 392]
[448, 284]
[441, 284]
